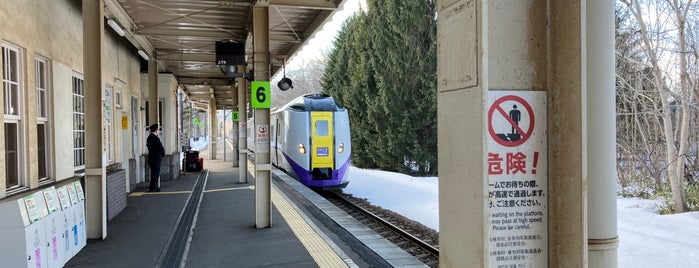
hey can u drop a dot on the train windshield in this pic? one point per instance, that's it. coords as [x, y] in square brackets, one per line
[322, 128]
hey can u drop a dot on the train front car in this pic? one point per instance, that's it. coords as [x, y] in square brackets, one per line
[313, 143]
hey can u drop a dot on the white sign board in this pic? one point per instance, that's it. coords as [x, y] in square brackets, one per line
[262, 139]
[517, 179]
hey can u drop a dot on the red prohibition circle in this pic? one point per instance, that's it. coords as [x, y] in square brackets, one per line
[525, 136]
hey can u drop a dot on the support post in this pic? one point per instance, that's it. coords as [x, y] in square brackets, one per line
[602, 242]
[488, 46]
[263, 202]
[213, 132]
[225, 142]
[153, 103]
[242, 128]
[153, 110]
[95, 156]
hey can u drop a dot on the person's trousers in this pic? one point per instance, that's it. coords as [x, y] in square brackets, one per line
[154, 175]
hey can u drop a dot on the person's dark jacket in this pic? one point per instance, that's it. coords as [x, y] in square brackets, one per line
[156, 152]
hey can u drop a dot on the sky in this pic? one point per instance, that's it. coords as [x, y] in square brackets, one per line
[322, 41]
[647, 239]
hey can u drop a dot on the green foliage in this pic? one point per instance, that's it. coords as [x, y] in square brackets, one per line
[691, 194]
[383, 69]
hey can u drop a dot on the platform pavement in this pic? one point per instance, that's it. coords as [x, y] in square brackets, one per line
[224, 234]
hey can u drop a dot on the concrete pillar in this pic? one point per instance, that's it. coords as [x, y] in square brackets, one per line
[213, 131]
[602, 242]
[461, 113]
[567, 131]
[95, 155]
[242, 128]
[263, 184]
[153, 92]
[531, 45]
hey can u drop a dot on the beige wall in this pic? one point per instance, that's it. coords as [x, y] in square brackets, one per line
[53, 29]
[513, 45]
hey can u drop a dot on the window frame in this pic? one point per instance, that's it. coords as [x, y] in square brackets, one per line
[117, 98]
[78, 112]
[18, 118]
[45, 118]
[108, 124]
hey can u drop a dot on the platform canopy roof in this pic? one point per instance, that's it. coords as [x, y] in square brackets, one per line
[181, 35]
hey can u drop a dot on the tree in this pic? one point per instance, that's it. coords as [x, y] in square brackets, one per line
[662, 29]
[383, 69]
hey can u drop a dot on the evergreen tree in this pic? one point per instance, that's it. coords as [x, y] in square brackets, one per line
[383, 69]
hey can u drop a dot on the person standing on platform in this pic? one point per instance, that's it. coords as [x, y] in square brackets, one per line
[156, 152]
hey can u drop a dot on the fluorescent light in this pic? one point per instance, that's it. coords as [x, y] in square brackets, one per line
[117, 28]
[143, 54]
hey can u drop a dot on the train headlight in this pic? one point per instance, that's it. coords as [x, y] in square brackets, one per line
[302, 149]
[342, 148]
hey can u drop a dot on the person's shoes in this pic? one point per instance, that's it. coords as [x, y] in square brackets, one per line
[157, 190]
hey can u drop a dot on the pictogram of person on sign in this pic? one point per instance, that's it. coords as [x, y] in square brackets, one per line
[516, 116]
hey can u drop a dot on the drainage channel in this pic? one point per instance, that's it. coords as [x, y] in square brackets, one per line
[175, 251]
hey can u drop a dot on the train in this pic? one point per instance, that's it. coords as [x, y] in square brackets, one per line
[310, 141]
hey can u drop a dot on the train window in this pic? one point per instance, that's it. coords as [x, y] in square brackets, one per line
[322, 128]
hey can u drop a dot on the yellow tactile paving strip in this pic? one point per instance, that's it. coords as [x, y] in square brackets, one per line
[321, 252]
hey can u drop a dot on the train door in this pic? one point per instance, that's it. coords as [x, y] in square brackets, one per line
[322, 155]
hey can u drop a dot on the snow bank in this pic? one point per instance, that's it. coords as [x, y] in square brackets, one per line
[647, 239]
[413, 197]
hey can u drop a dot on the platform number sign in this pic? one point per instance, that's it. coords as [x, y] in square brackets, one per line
[261, 94]
[235, 116]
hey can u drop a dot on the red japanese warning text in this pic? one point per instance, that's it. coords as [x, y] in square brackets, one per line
[517, 179]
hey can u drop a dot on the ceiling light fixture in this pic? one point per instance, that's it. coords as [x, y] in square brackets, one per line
[117, 28]
[143, 54]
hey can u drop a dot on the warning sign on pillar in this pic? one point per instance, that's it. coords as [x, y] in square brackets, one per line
[517, 179]
[262, 139]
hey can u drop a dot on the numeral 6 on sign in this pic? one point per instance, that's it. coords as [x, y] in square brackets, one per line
[261, 94]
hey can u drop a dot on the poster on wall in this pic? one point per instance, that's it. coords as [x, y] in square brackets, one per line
[517, 179]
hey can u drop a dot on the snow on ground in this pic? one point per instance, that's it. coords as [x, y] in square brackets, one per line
[647, 239]
[412, 197]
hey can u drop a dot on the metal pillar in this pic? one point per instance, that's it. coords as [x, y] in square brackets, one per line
[95, 156]
[213, 133]
[225, 142]
[602, 242]
[263, 202]
[242, 129]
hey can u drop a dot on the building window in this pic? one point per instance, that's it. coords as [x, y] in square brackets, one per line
[12, 93]
[78, 122]
[42, 117]
[108, 128]
[160, 114]
[117, 98]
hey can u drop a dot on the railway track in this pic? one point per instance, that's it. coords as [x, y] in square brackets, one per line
[398, 231]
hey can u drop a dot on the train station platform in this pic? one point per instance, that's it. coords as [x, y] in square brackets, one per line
[207, 219]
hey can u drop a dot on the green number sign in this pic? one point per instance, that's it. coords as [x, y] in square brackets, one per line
[261, 94]
[235, 116]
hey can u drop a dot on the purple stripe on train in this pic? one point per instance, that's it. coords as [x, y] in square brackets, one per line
[305, 177]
